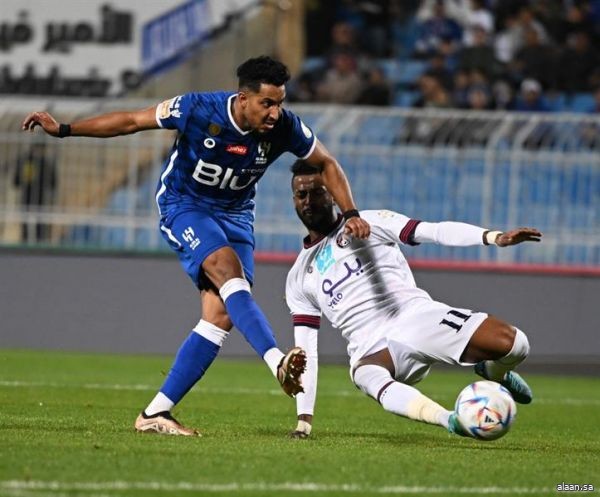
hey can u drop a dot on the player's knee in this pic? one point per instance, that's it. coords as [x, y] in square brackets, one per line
[223, 322]
[212, 331]
[222, 266]
[520, 345]
[372, 379]
[232, 286]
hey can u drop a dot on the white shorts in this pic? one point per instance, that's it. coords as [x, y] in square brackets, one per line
[427, 332]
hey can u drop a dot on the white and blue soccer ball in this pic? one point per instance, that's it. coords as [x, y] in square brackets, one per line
[486, 410]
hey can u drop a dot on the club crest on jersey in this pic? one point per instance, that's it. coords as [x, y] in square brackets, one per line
[263, 151]
[342, 240]
[190, 237]
[237, 149]
[214, 129]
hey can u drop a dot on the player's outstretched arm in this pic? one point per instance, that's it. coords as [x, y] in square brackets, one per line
[457, 234]
[337, 184]
[516, 236]
[103, 126]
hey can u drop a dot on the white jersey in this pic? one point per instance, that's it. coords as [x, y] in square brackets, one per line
[358, 284]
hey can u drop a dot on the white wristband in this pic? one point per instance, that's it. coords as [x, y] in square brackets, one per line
[490, 237]
[304, 427]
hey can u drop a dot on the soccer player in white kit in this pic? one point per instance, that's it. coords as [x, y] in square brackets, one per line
[395, 330]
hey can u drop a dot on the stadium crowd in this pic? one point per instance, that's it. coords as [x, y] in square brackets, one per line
[535, 55]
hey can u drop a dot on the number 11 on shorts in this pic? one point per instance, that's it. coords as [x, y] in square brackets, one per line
[457, 316]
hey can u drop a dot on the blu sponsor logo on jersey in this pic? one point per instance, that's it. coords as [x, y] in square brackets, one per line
[190, 237]
[213, 175]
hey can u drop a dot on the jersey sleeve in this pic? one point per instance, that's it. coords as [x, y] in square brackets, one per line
[302, 139]
[304, 309]
[392, 226]
[175, 112]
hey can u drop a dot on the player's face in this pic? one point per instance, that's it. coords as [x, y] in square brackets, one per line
[262, 110]
[313, 203]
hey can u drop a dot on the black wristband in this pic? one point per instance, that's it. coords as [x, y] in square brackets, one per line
[64, 130]
[351, 213]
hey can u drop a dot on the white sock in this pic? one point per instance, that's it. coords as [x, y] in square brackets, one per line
[158, 404]
[273, 357]
[398, 398]
[520, 350]
[407, 401]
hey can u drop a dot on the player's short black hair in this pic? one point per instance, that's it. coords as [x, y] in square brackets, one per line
[262, 69]
[303, 168]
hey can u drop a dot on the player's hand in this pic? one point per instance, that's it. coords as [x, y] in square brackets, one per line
[519, 235]
[357, 227]
[43, 119]
[299, 435]
[303, 429]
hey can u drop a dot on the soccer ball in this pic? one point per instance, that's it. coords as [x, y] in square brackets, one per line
[486, 410]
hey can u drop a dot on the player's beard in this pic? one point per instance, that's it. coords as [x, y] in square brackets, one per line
[320, 221]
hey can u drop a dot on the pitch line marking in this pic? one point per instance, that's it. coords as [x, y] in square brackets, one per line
[250, 391]
[55, 487]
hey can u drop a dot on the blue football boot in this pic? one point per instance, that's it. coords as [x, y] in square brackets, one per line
[513, 382]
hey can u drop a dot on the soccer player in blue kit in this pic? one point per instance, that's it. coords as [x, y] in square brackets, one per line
[205, 197]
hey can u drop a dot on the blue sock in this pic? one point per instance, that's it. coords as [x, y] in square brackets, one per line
[193, 358]
[250, 320]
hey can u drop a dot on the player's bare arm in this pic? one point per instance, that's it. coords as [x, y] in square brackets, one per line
[103, 126]
[337, 184]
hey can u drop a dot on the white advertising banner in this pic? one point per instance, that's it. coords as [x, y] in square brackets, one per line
[99, 47]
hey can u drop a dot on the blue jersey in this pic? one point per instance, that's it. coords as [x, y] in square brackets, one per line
[213, 162]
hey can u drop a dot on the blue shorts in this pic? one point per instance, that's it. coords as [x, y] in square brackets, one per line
[195, 233]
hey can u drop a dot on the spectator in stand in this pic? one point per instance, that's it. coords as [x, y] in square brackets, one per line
[577, 17]
[342, 83]
[535, 60]
[479, 97]
[437, 68]
[437, 27]
[475, 13]
[507, 41]
[577, 64]
[377, 90]
[35, 176]
[480, 55]
[404, 27]
[530, 98]
[460, 90]
[343, 40]
[503, 95]
[376, 32]
[433, 93]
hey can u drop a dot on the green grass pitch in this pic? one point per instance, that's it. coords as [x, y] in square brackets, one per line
[66, 430]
